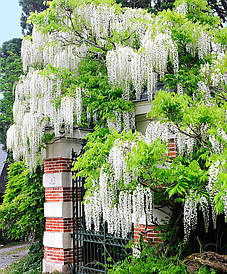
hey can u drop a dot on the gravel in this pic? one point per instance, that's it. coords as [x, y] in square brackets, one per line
[10, 254]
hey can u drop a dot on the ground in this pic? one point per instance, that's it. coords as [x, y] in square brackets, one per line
[10, 254]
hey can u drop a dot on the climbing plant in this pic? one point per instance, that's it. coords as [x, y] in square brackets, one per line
[84, 64]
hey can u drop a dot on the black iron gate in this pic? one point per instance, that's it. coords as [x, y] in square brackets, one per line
[93, 252]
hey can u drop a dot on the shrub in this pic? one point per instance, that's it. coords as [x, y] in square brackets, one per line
[21, 213]
[153, 260]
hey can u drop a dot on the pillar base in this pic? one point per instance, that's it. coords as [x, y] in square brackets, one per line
[50, 267]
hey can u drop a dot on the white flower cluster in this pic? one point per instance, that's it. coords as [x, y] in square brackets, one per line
[34, 109]
[31, 52]
[204, 45]
[110, 203]
[103, 20]
[101, 206]
[212, 189]
[142, 68]
[184, 143]
[158, 50]
[126, 120]
[190, 214]
[212, 73]
[117, 160]
[201, 45]
[183, 8]
[124, 65]
[180, 89]
[204, 89]
[205, 210]
[217, 146]
[224, 199]
[156, 130]
[48, 49]
[69, 106]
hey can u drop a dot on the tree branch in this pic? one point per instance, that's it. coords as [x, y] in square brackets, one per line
[84, 39]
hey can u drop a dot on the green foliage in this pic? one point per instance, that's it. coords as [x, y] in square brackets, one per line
[21, 212]
[222, 36]
[155, 260]
[100, 96]
[11, 46]
[150, 261]
[10, 70]
[183, 178]
[183, 111]
[190, 172]
[135, 3]
[96, 152]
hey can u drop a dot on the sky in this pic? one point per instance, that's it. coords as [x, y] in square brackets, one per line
[10, 13]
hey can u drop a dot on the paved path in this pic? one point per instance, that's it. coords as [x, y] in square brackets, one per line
[10, 254]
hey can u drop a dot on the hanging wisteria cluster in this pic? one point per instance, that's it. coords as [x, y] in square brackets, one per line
[205, 90]
[184, 143]
[119, 216]
[142, 68]
[212, 73]
[102, 21]
[50, 49]
[217, 146]
[212, 188]
[34, 110]
[190, 214]
[156, 130]
[202, 45]
[126, 120]
[119, 208]
[183, 8]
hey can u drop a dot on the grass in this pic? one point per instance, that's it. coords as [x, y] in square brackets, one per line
[10, 269]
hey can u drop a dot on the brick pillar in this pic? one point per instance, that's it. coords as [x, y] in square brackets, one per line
[57, 180]
[151, 235]
[172, 148]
